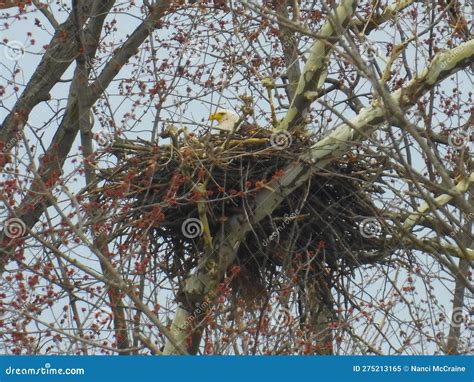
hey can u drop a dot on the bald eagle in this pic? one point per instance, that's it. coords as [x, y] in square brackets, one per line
[226, 120]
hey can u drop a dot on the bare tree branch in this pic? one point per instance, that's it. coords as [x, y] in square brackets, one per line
[211, 269]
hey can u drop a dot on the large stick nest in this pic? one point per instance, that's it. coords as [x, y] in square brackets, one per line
[154, 191]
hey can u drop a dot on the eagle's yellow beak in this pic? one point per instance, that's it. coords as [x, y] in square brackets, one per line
[216, 116]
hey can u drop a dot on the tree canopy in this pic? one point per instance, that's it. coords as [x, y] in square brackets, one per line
[335, 217]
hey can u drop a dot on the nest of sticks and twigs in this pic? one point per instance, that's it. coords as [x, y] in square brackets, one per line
[173, 196]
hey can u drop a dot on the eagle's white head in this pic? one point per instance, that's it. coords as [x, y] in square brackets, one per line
[226, 119]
